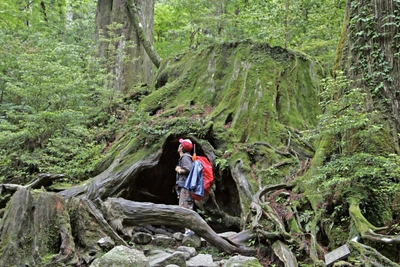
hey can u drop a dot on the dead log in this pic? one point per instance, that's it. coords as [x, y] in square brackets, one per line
[44, 179]
[113, 181]
[122, 213]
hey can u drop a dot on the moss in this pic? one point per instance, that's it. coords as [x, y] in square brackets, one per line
[337, 236]
[361, 223]
[242, 85]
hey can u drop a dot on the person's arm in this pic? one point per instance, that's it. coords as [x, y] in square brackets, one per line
[186, 165]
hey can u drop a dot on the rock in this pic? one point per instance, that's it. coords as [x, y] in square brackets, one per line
[106, 243]
[164, 241]
[163, 232]
[142, 238]
[241, 261]
[128, 231]
[178, 236]
[227, 234]
[192, 241]
[144, 230]
[163, 252]
[122, 256]
[203, 260]
[163, 259]
[189, 251]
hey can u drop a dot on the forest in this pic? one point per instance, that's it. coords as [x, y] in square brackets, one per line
[295, 103]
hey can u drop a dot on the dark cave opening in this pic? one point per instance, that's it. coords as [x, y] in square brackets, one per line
[156, 185]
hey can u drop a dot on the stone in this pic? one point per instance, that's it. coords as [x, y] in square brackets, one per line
[338, 254]
[178, 236]
[162, 232]
[227, 234]
[142, 238]
[192, 241]
[190, 250]
[128, 231]
[122, 256]
[203, 260]
[106, 243]
[164, 241]
[164, 259]
[241, 261]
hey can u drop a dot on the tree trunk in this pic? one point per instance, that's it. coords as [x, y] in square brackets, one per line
[369, 56]
[126, 56]
[36, 226]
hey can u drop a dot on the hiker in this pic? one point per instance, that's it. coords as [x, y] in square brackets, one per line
[182, 171]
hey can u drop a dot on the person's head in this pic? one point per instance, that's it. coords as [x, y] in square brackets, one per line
[185, 145]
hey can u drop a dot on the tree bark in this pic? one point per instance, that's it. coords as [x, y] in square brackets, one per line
[128, 213]
[138, 68]
[368, 54]
[34, 227]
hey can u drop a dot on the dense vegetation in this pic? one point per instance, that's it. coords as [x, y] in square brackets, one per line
[58, 112]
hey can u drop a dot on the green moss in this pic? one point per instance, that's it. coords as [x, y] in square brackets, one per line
[337, 236]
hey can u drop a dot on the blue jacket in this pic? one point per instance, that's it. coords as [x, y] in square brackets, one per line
[195, 180]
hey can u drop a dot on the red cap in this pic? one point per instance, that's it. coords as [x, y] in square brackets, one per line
[186, 144]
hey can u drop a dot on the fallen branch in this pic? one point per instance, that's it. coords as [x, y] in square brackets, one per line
[45, 179]
[124, 212]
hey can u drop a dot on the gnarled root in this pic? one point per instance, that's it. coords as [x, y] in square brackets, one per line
[369, 256]
[366, 229]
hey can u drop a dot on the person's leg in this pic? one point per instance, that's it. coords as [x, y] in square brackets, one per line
[186, 201]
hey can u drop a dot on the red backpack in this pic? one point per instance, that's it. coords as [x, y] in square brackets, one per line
[208, 176]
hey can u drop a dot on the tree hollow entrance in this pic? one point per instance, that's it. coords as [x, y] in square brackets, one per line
[156, 185]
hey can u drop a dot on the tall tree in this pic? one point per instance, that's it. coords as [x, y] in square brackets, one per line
[356, 164]
[121, 45]
[369, 54]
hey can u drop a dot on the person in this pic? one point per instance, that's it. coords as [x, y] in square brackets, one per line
[182, 170]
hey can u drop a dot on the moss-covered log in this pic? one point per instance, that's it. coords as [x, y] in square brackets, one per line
[124, 213]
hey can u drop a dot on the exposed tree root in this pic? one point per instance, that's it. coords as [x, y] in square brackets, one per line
[369, 256]
[366, 229]
[256, 206]
[284, 254]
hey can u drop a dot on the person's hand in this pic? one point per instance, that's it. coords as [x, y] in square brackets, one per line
[178, 169]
